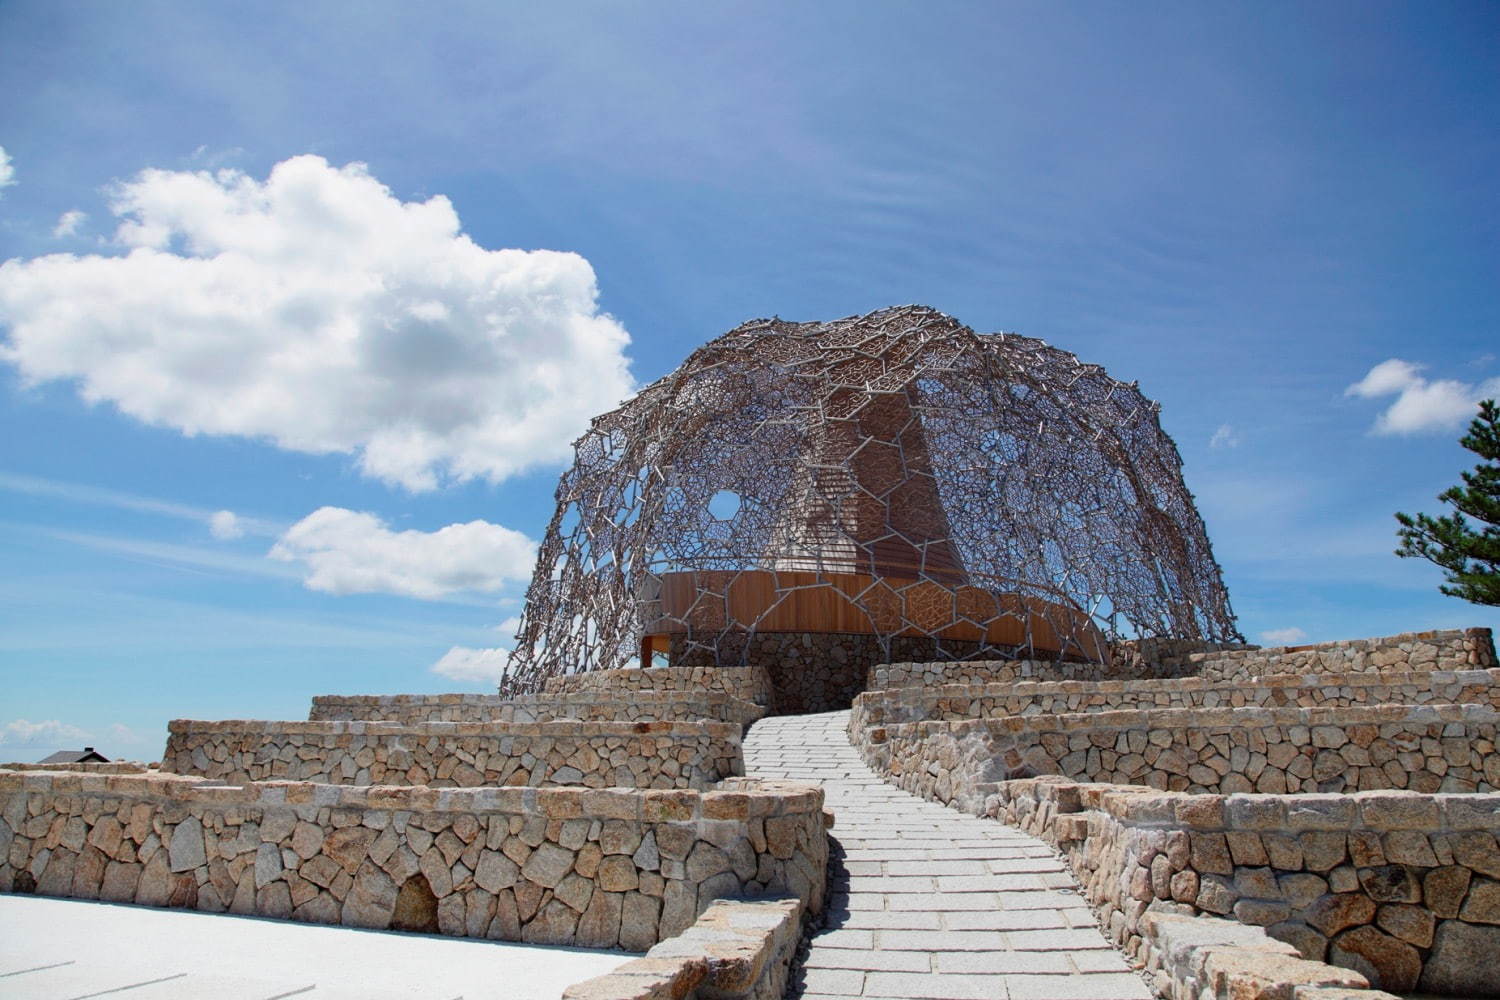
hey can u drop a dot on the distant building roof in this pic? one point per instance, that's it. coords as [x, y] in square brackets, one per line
[88, 755]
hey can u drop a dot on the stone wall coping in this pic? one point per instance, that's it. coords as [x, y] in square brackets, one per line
[738, 799]
[937, 692]
[671, 678]
[1223, 958]
[95, 767]
[560, 728]
[586, 696]
[1378, 811]
[1339, 717]
[1481, 638]
[724, 954]
[1355, 645]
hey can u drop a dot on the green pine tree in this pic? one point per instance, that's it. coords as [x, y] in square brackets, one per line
[1470, 557]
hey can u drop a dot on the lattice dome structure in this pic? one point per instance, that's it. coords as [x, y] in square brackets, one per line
[897, 478]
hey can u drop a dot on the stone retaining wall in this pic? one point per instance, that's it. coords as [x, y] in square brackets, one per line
[1448, 649]
[95, 767]
[738, 949]
[901, 674]
[1202, 958]
[915, 704]
[447, 754]
[1403, 888]
[815, 671]
[1452, 649]
[586, 706]
[1158, 658]
[746, 683]
[570, 866]
[1450, 748]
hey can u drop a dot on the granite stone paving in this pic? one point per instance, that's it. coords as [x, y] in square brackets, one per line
[925, 902]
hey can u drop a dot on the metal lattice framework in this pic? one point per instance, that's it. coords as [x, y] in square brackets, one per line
[897, 474]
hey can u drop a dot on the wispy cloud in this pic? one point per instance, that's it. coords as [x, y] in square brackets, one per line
[49, 733]
[7, 170]
[1421, 404]
[1283, 636]
[1224, 437]
[101, 497]
[189, 557]
[68, 223]
[122, 618]
[225, 524]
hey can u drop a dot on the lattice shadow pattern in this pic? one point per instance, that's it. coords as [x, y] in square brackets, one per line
[894, 475]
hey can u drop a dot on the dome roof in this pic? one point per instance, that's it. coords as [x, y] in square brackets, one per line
[898, 450]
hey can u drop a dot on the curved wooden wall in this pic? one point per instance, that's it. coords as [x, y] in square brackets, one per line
[801, 601]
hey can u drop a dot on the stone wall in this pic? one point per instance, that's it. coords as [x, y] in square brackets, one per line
[1452, 649]
[746, 683]
[738, 949]
[1162, 657]
[1203, 958]
[900, 674]
[587, 706]
[1403, 888]
[815, 671]
[592, 868]
[916, 704]
[111, 767]
[1449, 649]
[446, 754]
[1430, 748]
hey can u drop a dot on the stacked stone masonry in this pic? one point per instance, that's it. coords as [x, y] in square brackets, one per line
[813, 671]
[1399, 886]
[593, 868]
[1280, 848]
[745, 683]
[466, 755]
[988, 701]
[1451, 649]
[585, 706]
[737, 950]
[1429, 748]
[1162, 657]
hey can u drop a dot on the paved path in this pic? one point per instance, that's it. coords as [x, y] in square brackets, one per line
[66, 949]
[932, 903]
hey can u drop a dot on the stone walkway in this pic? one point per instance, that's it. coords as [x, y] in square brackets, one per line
[931, 903]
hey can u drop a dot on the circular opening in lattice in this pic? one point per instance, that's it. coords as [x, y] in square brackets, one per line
[724, 505]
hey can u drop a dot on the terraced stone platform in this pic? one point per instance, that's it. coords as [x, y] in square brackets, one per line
[925, 902]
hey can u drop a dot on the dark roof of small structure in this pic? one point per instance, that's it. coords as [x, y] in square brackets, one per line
[88, 755]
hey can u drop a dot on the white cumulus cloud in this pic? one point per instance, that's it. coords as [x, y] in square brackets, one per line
[7, 169]
[472, 665]
[351, 552]
[318, 311]
[1283, 636]
[49, 733]
[68, 223]
[1421, 404]
[225, 524]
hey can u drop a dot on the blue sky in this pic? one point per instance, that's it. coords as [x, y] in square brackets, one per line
[1248, 208]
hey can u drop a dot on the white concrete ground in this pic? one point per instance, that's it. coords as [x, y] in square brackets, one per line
[57, 949]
